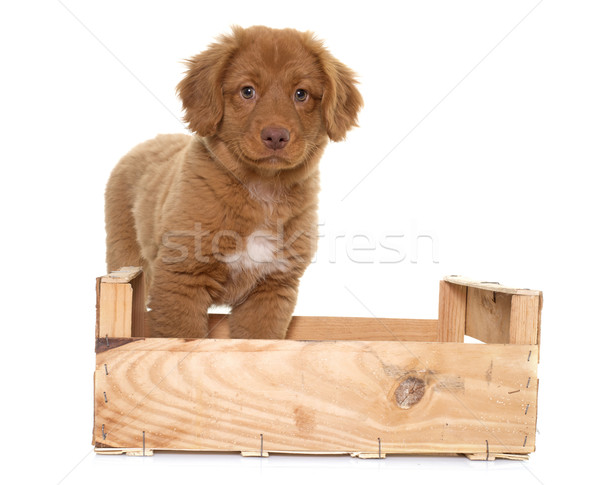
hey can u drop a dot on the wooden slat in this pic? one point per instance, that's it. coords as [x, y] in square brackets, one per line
[344, 328]
[320, 397]
[98, 280]
[115, 310]
[138, 307]
[539, 326]
[452, 312]
[503, 318]
[120, 304]
[493, 456]
[488, 316]
[524, 319]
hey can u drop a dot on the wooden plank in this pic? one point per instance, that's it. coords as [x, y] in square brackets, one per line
[493, 456]
[488, 316]
[255, 454]
[115, 310]
[452, 312]
[490, 286]
[503, 318]
[344, 328]
[121, 304]
[98, 280]
[370, 329]
[524, 319]
[325, 397]
[138, 307]
[368, 456]
[539, 324]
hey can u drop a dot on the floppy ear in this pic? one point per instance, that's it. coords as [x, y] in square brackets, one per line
[201, 90]
[341, 100]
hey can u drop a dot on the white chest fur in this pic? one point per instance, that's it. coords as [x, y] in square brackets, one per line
[262, 255]
[267, 194]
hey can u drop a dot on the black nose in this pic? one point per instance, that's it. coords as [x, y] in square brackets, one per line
[275, 138]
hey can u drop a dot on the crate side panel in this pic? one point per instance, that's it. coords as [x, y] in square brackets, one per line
[344, 328]
[488, 315]
[222, 395]
[503, 318]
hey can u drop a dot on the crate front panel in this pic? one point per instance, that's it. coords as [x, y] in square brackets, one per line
[321, 396]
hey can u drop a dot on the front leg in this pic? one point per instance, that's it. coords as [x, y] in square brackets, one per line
[267, 310]
[179, 304]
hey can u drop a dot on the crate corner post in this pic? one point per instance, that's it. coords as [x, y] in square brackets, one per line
[120, 317]
[121, 307]
[452, 312]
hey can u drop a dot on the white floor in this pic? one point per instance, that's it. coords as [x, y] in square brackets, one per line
[232, 468]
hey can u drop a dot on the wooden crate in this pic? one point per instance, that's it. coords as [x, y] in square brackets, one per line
[363, 386]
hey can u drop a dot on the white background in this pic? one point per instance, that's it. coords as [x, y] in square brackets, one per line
[480, 130]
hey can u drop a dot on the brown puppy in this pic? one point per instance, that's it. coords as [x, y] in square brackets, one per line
[228, 216]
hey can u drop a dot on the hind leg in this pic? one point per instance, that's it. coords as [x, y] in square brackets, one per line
[122, 247]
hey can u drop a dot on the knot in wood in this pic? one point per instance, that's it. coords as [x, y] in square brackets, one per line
[409, 392]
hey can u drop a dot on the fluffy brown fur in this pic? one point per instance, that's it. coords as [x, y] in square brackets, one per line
[228, 216]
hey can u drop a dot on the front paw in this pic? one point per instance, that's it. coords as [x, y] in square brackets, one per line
[173, 323]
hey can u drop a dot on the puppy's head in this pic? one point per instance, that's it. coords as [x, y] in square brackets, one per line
[272, 96]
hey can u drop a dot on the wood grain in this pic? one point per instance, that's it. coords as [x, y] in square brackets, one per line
[121, 307]
[488, 316]
[524, 319]
[344, 328]
[115, 310]
[452, 312]
[503, 318]
[138, 307]
[321, 397]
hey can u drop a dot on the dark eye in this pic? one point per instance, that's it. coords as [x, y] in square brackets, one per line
[248, 92]
[301, 95]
